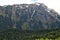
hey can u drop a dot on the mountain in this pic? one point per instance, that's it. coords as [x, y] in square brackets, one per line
[35, 16]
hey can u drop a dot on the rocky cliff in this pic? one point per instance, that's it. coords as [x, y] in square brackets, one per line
[28, 17]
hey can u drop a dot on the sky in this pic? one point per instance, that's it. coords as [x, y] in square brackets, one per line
[54, 4]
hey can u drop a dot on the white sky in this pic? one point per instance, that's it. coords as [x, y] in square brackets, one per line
[55, 4]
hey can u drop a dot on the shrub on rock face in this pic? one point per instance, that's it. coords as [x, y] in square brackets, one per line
[25, 26]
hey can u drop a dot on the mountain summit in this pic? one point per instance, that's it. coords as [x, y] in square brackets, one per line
[28, 17]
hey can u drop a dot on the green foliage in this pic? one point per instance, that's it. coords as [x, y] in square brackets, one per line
[31, 35]
[25, 26]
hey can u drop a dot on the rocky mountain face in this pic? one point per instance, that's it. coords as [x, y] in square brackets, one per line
[28, 17]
